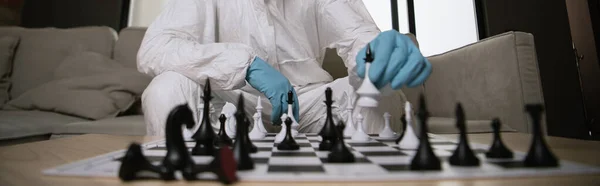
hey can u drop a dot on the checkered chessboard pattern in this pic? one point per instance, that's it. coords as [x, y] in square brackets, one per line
[376, 160]
[377, 156]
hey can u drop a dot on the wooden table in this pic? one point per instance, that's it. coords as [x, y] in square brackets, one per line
[22, 164]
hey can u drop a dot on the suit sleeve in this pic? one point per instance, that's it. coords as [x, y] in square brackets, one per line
[182, 39]
[347, 26]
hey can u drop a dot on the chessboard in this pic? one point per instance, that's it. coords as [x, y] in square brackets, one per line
[379, 159]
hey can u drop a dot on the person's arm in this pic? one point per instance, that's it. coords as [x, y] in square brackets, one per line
[398, 62]
[347, 26]
[182, 39]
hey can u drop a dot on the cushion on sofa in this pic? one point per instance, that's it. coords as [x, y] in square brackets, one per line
[126, 125]
[126, 48]
[88, 85]
[42, 49]
[7, 50]
[16, 124]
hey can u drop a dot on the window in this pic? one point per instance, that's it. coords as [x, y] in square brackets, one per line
[444, 25]
[441, 25]
[143, 12]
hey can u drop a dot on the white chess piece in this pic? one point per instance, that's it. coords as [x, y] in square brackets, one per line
[295, 124]
[350, 129]
[409, 140]
[360, 134]
[281, 135]
[256, 133]
[367, 91]
[230, 125]
[259, 108]
[387, 131]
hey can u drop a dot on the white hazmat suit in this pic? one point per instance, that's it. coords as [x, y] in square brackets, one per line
[192, 40]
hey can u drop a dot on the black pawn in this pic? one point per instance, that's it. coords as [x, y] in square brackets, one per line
[134, 162]
[222, 139]
[288, 142]
[205, 136]
[251, 147]
[339, 152]
[539, 154]
[463, 155]
[498, 149]
[327, 133]
[241, 152]
[177, 157]
[424, 159]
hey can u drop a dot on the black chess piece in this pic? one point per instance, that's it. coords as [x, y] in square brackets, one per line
[223, 166]
[177, 157]
[463, 155]
[327, 133]
[205, 136]
[339, 152]
[498, 149]
[241, 150]
[424, 159]
[251, 147]
[222, 138]
[288, 142]
[134, 162]
[539, 154]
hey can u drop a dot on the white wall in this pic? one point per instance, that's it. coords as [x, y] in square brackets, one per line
[381, 12]
[143, 12]
[443, 25]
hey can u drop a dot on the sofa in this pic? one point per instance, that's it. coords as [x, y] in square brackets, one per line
[492, 78]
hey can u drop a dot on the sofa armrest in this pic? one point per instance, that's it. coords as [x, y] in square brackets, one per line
[494, 77]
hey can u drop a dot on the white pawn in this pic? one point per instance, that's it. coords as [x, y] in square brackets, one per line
[368, 93]
[360, 134]
[350, 129]
[256, 133]
[387, 131]
[230, 125]
[281, 135]
[259, 108]
[410, 140]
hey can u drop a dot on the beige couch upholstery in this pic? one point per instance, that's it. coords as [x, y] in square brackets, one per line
[38, 54]
[492, 78]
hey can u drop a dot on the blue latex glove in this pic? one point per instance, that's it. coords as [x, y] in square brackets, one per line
[275, 86]
[396, 61]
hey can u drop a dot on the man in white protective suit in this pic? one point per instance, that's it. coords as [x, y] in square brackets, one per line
[267, 48]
